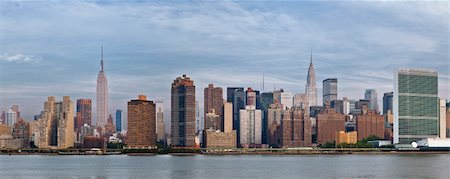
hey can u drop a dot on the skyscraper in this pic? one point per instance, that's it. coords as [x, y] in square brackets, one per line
[119, 120]
[442, 119]
[250, 126]
[84, 113]
[213, 99]
[416, 110]
[56, 125]
[372, 96]
[141, 123]
[311, 88]
[330, 90]
[11, 117]
[266, 100]
[160, 128]
[236, 95]
[102, 96]
[250, 96]
[387, 102]
[227, 116]
[183, 112]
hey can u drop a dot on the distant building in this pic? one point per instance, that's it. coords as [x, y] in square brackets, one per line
[213, 121]
[141, 123]
[11, 117]
[369, 123]
[372, 96]
[387, 102]
[296, 127]
[160, 126]
[236, 95]
[213, 99]
[284, 98]
[274, 117]
[5, 130]
[346, 137]
[337, 105]
[217, 139]
[227, 116]
[310, 87]
[56, 126]
[250, 97]
[328, 123]
[183, 112]
[301, 100]
[413, 122]
[442, 119]
[21, 130]
[110, 128]
[330, 90]
[345, 106]
[102, 96]
[448, 120]
[250, 126]
[266, 100]
[119, 116]
[83, 113]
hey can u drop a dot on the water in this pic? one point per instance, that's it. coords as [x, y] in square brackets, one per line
[245, 166]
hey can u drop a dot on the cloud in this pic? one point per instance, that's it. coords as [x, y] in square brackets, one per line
[19, 58]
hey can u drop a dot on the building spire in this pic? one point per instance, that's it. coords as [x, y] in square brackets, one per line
[310, 60]
[101, 61]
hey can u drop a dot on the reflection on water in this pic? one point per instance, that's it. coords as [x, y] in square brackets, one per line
[202, 166]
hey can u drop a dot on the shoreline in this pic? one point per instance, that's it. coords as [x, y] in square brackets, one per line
[193, 152]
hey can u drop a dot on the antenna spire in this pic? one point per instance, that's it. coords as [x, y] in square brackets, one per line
[263, 83]
[101, 62]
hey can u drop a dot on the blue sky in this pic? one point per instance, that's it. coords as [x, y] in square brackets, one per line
[53, 48]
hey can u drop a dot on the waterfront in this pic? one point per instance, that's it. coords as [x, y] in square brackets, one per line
[232, 166]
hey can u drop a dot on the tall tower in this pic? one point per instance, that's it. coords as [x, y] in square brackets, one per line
[183, 112]
[102, 96]
[311, 88]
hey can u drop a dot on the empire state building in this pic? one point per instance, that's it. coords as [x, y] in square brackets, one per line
[102, 96]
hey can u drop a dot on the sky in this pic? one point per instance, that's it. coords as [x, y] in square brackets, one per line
[52, 48]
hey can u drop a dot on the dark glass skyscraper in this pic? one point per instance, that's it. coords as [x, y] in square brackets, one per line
[236, 95]
[266, 100]
[387, 101]
[118, 120]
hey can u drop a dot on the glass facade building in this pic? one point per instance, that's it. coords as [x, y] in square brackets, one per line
[416, 109]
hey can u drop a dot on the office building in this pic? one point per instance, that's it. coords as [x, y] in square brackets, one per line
[301, 100]
[102, 96]
[236, 95]
[141, 123]
[217, 139]
[183, 112]
[119, 115]
[213, 99]
[416, 110]
[442, 119]
[330, 90]
[296, 128]
[109, 128]
[83, 113]
[372, 96]
[227, 116]
[310, 87]
[387, 102]
[274, 117]
[11, 117]
[160, 126]
[266, 100]
[213, 121]
[250, 126]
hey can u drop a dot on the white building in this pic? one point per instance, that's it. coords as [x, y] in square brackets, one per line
[102, 96]
[442, 118]
[286, 100]
[250, 125]
[11, 117]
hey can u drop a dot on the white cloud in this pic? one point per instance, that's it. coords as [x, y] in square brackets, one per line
[19, 58]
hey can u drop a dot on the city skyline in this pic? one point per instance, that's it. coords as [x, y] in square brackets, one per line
[208, 55]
